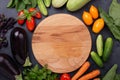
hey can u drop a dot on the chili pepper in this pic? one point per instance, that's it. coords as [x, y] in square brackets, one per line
[7, 63]
[18, 39]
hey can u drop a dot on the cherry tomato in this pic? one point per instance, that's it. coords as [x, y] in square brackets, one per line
[30, 23]
[37, 14]
[94, 12]
[87, 18]
[65, 76]
[98, 25]
[21, 21]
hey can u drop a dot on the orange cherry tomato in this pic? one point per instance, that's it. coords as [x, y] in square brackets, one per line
[98, 25]
[94, 12]
[87, 18]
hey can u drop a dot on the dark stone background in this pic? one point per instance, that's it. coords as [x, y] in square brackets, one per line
[114, 58]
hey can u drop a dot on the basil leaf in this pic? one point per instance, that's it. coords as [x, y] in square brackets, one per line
[11, 4]
[20, 5]
[34, 3]
[114, 12]
[27, 1]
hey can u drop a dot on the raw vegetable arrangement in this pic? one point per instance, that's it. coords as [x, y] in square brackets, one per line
[19, 66]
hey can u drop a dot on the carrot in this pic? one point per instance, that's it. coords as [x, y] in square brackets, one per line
[96, 79]
[90, 75]
[81, 71]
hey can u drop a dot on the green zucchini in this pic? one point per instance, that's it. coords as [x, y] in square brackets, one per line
[74, 5]
[96, 59]
[107, 48]
[99, 45]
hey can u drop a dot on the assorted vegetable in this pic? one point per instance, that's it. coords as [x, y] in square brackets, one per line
[5, 25]
[18, 39]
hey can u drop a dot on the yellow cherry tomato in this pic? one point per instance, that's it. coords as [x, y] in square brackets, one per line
[94, 12]
[98, 25]
[87, 18]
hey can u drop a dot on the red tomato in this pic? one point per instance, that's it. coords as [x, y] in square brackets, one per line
[65, 76]
[30, 23]
[37, 15]
[21, 21]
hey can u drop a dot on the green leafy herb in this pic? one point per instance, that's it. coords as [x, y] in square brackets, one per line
[114, 12]
[20, 5]
[110, 75]
[36, 73]
[117, 77]
[110, 23]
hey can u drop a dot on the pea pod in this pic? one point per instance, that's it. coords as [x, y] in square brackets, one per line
[110, 75]
[96, 59]
[42, 7]
[74, 5]
[107, 48]
[47, 3]
[99, 45]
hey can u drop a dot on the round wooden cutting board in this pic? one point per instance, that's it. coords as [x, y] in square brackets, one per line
[62, 42]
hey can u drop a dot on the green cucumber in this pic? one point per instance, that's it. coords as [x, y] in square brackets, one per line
[99, 45]
[110, 75]
[42, 7]
[47, 3]
[107, 48]
[96, 59]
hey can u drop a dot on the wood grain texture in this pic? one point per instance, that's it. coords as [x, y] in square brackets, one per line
[62, 41]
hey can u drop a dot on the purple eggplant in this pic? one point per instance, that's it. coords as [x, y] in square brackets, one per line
[18, 40]
[7, 64]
